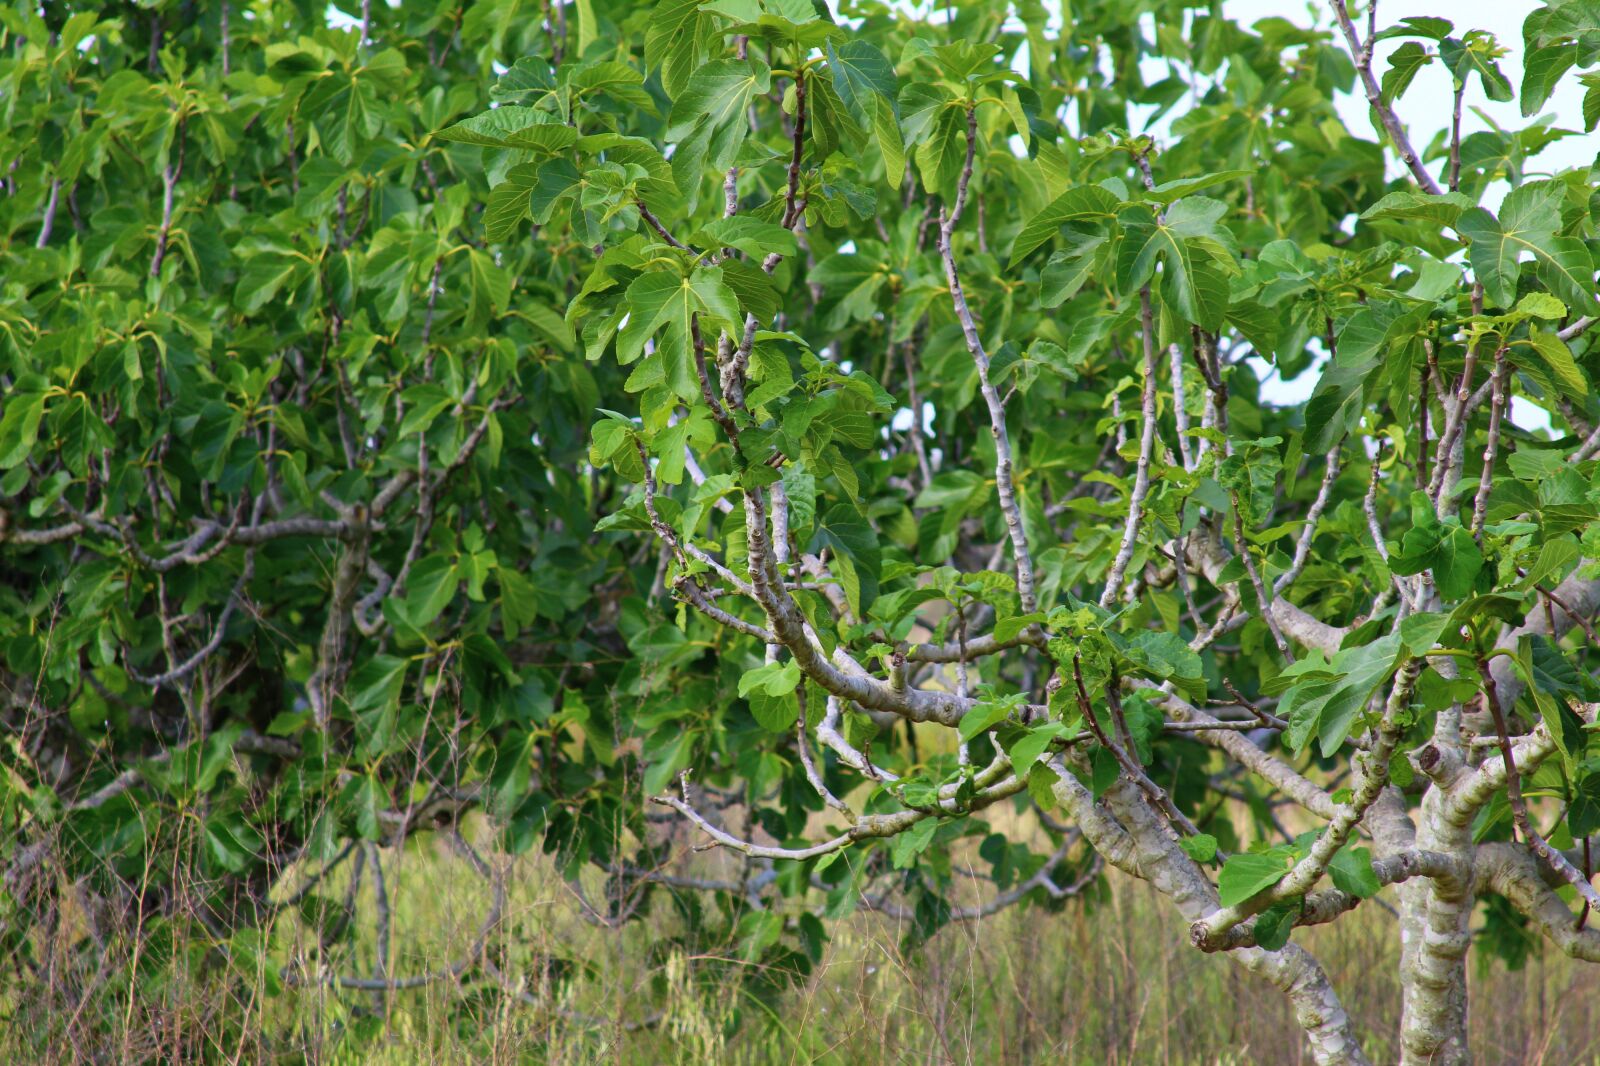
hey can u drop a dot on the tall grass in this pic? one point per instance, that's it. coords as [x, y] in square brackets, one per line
[1110, 980]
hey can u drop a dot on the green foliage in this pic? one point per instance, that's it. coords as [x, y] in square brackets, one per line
[533, 415]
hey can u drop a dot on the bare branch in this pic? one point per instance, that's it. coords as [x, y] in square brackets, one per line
[1519, 807]
[1147, 441]
[1497, 407]
[1004, 485]
[1362, 55]
[1302, 550]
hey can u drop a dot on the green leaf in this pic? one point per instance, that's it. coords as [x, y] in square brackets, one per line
[519, 604]
[1025, 748]
[751, 236]
[508, 203]
[1436, 29]
[361, 801]
[1552, 682]
[1469, 56]
[985, 715]
[1168, 656]
[19, 428]
[708, 118]
[1248, 873]
[588, 28]
[719, 92]
[1528, 221]
[1042, 785]
[855, 547]
[490, 287]
[1542, 305]
[1557, 556]
[776, 714]
[1202, 847]
[423, 403]
[1192, 283]
[941, 156]
[1327, 705]
[510, 126]
[1351, 870]
[774, 679]
[1080, 203]
[1066, 273]
[1170, 191]
[913, 842]
[1404, 63]
[1442, 210]
[1557, 359]
[1542, 69]
[1448, 550]
[665, 301]
[860, 70]
[1420, 632]
[264, 276]
[511, 780]
[230, 843]
[430, 589]
[1273, 925]
[376, 683]
[556, 180]
[1336, 403]
[1583, 814]
[530, 74]
[886, 131]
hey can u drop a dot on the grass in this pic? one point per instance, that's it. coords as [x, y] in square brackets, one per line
[1109, 980]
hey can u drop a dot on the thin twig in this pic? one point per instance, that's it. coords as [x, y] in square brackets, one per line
[1497, 406]
[1302, 550]
[1519, 807]
[1362, 55]
[1004, 484]
[1147, 441]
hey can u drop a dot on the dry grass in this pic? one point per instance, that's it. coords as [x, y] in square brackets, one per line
[1110, 980]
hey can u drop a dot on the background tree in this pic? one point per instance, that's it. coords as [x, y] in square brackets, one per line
[840, 419]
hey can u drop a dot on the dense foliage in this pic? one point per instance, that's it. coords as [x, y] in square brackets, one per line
[840, 417]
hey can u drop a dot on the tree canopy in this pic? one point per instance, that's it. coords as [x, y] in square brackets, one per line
[590, 412]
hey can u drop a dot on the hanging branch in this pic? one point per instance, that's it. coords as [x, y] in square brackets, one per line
[1041, 880]
[1004, 485]
[1180, 411]
[1519, 806]
[1455, 137]
[793, 206]
[989, 785]
[49, 222]
[1124, 756]
[1497, 407]
[1147, 442]
[227, 40]
[1254, 572]
[177, 672]
[169, 184]
[656, 224]
[1302, 549]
